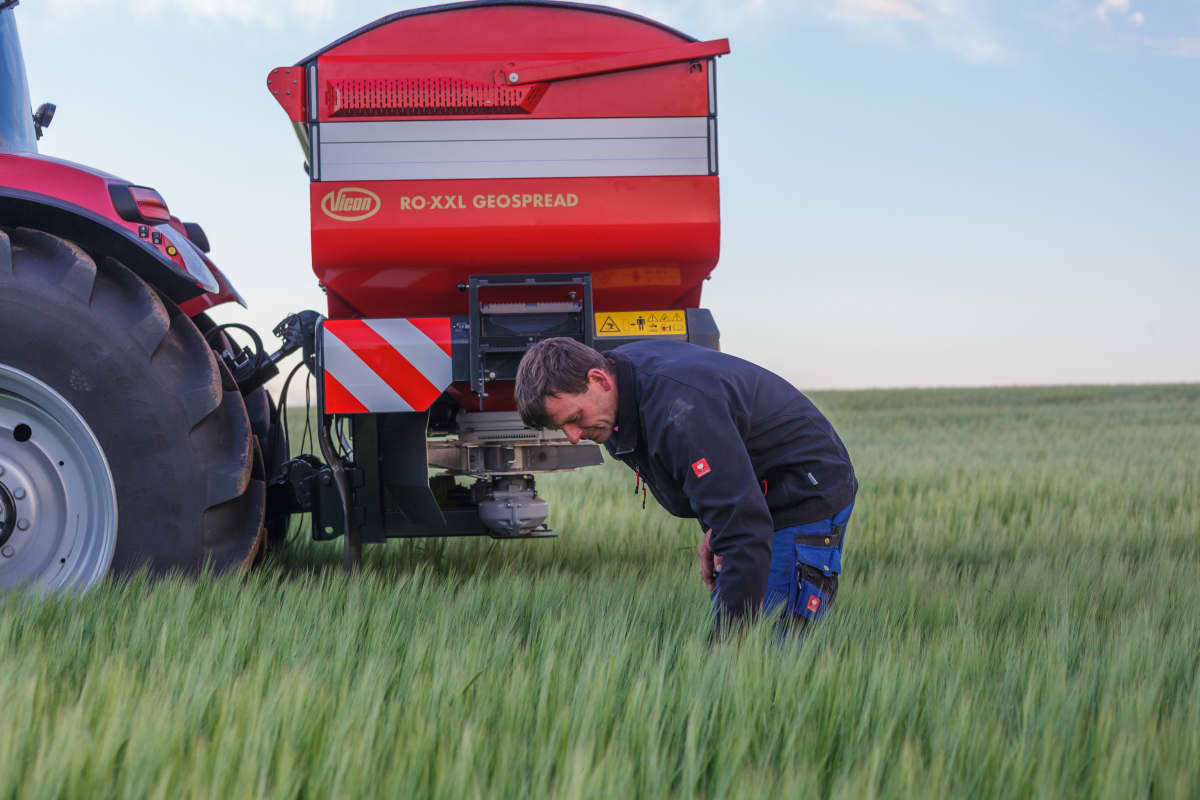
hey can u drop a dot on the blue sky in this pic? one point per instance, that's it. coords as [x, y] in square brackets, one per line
[914, 192]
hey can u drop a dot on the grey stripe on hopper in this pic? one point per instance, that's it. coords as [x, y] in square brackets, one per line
[439, 149]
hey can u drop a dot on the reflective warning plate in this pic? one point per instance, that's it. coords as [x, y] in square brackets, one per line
[672, 322]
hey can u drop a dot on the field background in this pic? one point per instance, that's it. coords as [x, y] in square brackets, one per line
[1020, 616]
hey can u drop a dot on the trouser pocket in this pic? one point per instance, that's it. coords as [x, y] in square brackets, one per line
[815, 591]
[822, 549]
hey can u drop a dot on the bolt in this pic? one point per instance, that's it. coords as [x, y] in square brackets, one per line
[6, 551]
[22, 524]
[19, 493]
[513, 77]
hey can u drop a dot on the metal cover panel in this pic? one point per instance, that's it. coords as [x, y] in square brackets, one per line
[526, 169]
[510, 129]
[531, 150]
[543, 148]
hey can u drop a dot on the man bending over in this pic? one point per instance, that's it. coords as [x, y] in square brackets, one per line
[719, 439]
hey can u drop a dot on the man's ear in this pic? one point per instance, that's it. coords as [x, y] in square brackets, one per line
[601, 378]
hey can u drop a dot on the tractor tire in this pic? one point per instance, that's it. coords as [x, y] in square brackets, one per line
[265, 422]
[123, 442]
[266, 426]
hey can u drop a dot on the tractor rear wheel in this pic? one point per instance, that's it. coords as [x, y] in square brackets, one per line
[123, 442]
[265, 422]
[266, 426]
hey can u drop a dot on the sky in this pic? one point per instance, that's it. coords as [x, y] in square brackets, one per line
[914, 192]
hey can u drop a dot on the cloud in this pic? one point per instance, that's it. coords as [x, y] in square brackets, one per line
[270, 12]
[894, 9]
[1122, 8]
[950, 25]
[706, 18]
[1184, 46]
[1107, 7]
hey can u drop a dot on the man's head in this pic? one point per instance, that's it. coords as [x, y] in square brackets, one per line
[563, 384]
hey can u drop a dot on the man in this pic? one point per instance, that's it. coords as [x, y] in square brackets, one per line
[716, 438]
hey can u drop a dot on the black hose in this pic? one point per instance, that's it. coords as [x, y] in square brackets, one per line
[260, 353]
[283, 404]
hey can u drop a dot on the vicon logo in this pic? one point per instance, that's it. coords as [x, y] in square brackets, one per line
[350, 204]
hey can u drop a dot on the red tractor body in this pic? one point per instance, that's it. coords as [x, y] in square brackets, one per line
[104, 213]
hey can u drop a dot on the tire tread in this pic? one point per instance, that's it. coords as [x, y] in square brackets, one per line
[6, 264]
[168, 414]
[75, 269]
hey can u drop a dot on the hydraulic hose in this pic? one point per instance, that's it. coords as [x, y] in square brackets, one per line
[353, 556]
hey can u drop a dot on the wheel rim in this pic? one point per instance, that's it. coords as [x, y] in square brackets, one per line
[58, 502]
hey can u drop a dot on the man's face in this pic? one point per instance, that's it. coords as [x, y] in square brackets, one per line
[588, 415]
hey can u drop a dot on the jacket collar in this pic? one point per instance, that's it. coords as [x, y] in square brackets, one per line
[625, 437]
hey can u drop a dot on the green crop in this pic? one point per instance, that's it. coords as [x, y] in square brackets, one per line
[1019, 616]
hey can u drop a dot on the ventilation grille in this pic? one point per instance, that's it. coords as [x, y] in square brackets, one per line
[374, 97]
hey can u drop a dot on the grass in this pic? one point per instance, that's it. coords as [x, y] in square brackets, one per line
[1020, 616]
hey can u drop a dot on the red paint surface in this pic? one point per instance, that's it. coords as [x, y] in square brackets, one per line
[436, 328]
[338, 400]
[482, 44]
[648, 242]
[62, 180]
[87, 188]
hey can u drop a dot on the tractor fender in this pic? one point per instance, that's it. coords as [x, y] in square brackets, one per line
[225, 292]
[100, 237]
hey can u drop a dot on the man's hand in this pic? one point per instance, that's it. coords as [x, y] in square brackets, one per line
[710, 564]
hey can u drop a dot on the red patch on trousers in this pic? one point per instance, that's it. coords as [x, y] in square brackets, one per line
[814, 603]
[701, 468]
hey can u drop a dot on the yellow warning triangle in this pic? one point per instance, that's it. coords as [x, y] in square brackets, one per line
[609, 326]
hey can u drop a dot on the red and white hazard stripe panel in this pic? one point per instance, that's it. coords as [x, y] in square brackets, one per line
[375, 366]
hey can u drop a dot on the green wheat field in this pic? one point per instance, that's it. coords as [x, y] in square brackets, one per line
[1019, 617]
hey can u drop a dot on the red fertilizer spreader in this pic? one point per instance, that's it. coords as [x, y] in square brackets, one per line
[484, 175]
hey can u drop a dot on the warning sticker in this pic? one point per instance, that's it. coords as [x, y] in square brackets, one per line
[641, 323]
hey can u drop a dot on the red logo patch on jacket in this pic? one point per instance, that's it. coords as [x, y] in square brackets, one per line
[814, 603]
[701, 468]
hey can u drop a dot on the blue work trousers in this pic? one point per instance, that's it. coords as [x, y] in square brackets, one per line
[805, 563]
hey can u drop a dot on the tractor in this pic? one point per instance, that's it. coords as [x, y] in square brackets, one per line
[482, 175]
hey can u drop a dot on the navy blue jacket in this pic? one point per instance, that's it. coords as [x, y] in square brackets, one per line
[727, 442]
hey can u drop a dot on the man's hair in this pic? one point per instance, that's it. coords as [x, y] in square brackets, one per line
[553, 366]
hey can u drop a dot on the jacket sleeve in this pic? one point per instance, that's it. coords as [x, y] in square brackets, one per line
[696, 437]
